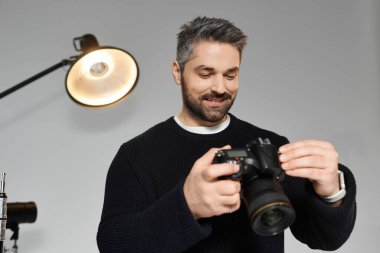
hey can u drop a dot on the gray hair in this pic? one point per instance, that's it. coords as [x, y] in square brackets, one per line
[207, 29]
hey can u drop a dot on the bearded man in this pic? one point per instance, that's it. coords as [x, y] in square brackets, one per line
[164, 193]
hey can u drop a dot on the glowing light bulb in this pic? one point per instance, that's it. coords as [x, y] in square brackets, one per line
[99, 69]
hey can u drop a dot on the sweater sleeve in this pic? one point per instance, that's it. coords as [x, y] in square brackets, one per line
[132, 222]
[321, 226]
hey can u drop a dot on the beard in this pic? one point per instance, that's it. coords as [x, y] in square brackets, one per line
[207, 113]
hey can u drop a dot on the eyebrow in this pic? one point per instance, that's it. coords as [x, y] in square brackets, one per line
[204, 67]
[234, 69]
[210, 69]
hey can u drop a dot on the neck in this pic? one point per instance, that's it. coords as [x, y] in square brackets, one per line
[189, 119]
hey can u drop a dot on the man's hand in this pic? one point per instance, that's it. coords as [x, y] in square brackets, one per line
[314, 160]
[205, 194]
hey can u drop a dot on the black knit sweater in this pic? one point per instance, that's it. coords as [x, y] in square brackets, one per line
[145, 209]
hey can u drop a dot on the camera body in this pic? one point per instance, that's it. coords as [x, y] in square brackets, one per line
[269, 209]
[264, 162]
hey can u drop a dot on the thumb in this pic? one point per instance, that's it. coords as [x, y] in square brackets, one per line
[209, 156]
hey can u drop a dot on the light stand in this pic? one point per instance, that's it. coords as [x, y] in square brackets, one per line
[98, 77]
[19, 213]
[3, 211]
[35, 77]
[15, 229]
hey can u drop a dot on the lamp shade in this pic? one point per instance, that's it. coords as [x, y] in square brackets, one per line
[102, 77]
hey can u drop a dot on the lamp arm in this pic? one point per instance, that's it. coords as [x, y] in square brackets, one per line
[35, 77]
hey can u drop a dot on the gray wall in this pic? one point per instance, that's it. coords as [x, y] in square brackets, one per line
[311, 70]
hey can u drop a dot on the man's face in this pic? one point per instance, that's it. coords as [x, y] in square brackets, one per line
[209, 82]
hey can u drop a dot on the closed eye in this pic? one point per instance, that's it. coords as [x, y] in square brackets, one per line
[231, 76]
[204, 75]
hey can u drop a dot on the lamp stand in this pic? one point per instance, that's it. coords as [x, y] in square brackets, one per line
[63, 63]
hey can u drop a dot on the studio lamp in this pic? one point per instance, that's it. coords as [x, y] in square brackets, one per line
[98, 77]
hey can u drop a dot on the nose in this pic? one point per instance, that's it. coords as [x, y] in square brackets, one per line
[218, 84]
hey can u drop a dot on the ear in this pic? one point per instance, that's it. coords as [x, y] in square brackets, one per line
[176, 70]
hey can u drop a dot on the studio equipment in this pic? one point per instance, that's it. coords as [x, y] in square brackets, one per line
[98, 77]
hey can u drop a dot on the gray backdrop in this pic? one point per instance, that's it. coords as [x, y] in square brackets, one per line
[311, 70]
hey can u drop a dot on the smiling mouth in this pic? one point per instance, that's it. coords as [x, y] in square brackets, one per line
[215, 102]
[215, 99]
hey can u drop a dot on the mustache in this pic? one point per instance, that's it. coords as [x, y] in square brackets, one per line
[216, 95]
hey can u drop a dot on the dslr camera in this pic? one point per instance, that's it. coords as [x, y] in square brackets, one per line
[269, 209]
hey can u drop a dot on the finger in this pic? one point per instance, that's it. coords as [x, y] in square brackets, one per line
[314, 175]
[214, 171]
[209, 156]
[301, 152]
[228, 187]
[305, 162]
[235, 207]
[303, 143]
[308, 173]
[232, 208]
[229, 200]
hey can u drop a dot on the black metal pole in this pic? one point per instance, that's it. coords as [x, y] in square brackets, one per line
[3, 211]
[35, 77]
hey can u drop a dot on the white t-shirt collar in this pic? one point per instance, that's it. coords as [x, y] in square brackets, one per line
[204, 129]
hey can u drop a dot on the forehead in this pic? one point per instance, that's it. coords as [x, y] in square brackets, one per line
[216, 55]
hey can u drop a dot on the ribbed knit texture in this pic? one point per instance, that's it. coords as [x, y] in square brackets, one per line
[145, 209]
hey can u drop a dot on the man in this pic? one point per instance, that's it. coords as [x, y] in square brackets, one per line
[165, 194]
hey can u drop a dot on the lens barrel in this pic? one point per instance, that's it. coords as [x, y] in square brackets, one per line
[269, 209]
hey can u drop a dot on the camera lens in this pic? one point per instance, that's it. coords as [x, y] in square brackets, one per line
[272, 217]
[269, 209]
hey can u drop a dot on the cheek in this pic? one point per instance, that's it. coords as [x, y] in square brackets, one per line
[198, 85]
[232, 86]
